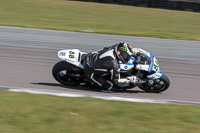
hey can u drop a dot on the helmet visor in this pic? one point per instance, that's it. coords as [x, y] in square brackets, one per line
[125, 57]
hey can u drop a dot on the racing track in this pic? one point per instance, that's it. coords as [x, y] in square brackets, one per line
[28, 55]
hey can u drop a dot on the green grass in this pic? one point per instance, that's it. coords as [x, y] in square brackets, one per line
[31, 113]
[100, 18]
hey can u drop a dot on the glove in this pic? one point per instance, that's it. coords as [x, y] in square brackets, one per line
[131, 79]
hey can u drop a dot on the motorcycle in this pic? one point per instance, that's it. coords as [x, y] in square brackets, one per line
[70, 71]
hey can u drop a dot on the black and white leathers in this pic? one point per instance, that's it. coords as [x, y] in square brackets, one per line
[104, 62]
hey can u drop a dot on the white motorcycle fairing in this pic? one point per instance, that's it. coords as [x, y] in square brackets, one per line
[152, 66]
[72, 56]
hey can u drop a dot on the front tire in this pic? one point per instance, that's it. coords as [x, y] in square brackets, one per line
[158, 86]
[62, 72]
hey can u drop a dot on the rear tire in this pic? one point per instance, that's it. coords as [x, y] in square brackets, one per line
[159, 85]
[61, 72]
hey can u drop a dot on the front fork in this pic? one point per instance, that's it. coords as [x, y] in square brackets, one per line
[150, 80]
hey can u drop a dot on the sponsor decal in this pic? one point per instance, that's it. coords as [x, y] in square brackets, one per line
[62, 54]
[71, 54]
[125, 67]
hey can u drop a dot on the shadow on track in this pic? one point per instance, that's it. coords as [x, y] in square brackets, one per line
[64, 86]
[82, 88]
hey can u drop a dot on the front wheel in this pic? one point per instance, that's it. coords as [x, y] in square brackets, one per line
[157, 85]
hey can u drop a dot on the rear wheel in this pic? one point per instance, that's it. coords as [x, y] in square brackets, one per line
[64, 73]
[156, 85]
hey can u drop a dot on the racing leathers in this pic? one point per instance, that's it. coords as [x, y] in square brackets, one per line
[104, 62]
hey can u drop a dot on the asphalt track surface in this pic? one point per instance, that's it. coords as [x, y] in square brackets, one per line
[28, 55]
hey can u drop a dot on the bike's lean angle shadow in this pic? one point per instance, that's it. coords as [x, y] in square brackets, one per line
[82, 88]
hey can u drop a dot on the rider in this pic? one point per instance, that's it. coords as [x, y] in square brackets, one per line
[106, 62]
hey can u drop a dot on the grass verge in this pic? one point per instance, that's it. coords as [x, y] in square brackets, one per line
[100, 18]
[23, 112]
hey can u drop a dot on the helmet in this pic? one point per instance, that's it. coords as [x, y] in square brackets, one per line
[123, 52]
